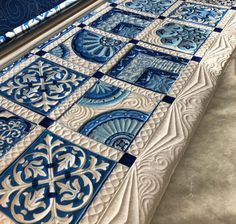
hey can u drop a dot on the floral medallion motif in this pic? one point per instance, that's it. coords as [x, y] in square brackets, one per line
[185, 38]
[53, 181]
[123, 23]
[94, 47]
[12, 130]
[156, 7]
[42, 85]
[200, 14]
[149, 69]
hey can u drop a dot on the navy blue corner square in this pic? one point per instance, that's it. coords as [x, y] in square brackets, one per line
[162, 17]
[41, 53]
[233, 8]
[113, 4]
[197, 59]
[46, 122]
[81, 25]
[168, 99]
[218, 30]
[133, 41]
[98, 75]
[127, 159]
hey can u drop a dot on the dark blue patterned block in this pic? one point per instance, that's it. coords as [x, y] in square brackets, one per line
[33, 192]
[127, 159]
[12, 130]
[123, 23]
[156, 7]
[15, 13]
[185, 38]
[200, 14]
[42, 85]
[149, 69]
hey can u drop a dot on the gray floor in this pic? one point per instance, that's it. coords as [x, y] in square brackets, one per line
[203, 187]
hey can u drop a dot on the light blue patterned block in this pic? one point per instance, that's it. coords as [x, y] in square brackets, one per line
[185, 38]
[103, 94]
[42, 86]
[116, 128]
[123, 23]
[12, 129]
[53, 179]
[149, 69]
[200, 14]
[112, 116]
[156, 7]
[90, 46]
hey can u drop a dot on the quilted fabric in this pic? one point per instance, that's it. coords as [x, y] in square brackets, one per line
[94, 120]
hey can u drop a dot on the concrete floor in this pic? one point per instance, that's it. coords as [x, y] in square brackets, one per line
[203, 187]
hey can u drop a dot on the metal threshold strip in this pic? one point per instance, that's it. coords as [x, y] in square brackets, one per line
[24, 43]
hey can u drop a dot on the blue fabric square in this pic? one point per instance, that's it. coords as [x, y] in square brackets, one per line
[149, 69]
[185, 38]
[114, 127]
[200, 14]
[42, 85]
[156, 7]
[12, 129]
[123, 23]
[90, 46]
[32, 192]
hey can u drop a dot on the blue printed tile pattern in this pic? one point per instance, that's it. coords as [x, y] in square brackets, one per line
[156, 7]
[109, 115]
[185, 38]
[116, 128]
[42, 85]
[200, 14]
[123, 23]
[52, 180]
[149, 69]
[12, 129]
[90, 46]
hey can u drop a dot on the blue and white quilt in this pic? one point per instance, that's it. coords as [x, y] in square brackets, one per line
[94, 120]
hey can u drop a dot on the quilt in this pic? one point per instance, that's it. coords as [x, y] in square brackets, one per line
[94, 120]
[17, 16]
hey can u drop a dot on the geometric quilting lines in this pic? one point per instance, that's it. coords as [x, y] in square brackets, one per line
[149, 69]
[123, 23]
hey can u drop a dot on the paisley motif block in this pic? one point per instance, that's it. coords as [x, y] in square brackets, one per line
[149, 69]
[12, 129]
[42, 85]
[200, 14]
[109, 114]
[184, 38]
[53, 179]
[122, 23]
[156, 7]
[87, 48]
